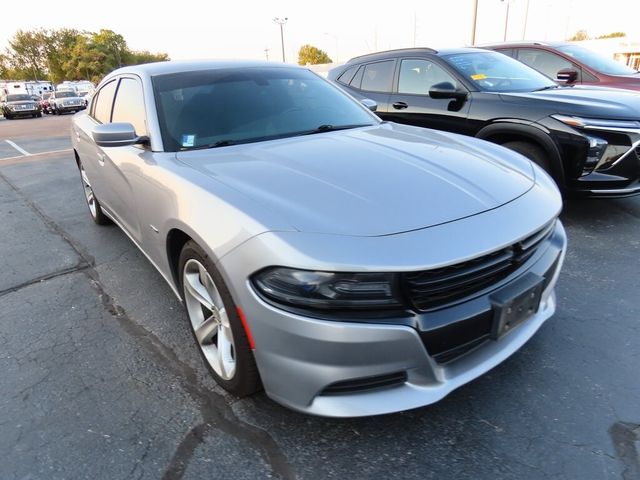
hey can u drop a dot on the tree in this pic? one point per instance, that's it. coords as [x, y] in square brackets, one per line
[613, 35]
[310, 55]
[579, 35]
[26, 54]
[68, 54]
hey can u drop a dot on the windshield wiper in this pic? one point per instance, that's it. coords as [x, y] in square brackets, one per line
[548, 87]
[219, 143]
[332, 128]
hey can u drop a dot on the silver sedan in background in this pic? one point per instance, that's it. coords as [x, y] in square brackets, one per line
[346, 265]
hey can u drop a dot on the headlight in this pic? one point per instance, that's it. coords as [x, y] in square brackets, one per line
[597, 147]
[597, 123]
[328, 290]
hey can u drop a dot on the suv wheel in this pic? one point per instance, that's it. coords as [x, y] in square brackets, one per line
[532, 152]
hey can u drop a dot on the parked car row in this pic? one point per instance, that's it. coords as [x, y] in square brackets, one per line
[55, 103]
[586, 138]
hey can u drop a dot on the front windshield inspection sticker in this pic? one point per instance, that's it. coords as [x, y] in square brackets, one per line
[188, 140]
[478, 76]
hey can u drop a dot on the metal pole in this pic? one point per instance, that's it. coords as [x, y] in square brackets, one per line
[506, 22]
[475, 22]
[526, 18]
[282, 42]
[281, 22]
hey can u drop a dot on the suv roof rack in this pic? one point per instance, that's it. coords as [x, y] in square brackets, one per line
[397, 50]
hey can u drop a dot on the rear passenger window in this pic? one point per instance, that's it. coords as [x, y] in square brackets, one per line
[129, 105]
[378, 76]
[102, 110]
[348, 75]
[357, 80]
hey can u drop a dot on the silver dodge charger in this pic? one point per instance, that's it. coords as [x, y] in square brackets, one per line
[346, 265]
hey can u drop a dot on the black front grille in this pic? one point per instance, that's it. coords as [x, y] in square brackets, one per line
[435, 288]
[359, 385]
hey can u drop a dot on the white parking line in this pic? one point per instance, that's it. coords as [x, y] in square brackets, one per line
[18, 147]
[35, 154]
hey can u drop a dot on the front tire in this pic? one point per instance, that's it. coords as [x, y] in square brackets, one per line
[215, 323]
[533, 152]
[95, 209]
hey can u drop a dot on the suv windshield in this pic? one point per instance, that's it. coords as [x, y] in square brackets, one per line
[18, 98]
[211, 108]
[65, 94]
[495, 72]
[598, 62]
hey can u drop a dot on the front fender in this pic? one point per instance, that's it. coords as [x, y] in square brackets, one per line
[515, 129]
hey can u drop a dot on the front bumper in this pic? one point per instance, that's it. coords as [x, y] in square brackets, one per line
[301, 358]
[22, 113]
[70, 108]
[313, 355]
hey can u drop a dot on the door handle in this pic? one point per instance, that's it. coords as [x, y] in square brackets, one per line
[400, 105]
[101, 159]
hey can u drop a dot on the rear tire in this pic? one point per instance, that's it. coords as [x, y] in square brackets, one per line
[533, 152]
[215, 323]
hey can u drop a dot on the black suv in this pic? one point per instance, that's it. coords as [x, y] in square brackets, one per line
[588, 139]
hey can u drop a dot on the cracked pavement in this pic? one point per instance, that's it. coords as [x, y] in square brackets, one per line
[100, 377]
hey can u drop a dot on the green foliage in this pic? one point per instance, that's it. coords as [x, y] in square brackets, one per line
[579, 35]
[613, 35]
[68, 54]
[310, 55]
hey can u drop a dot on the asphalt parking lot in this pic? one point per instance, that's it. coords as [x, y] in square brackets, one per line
[100, 378]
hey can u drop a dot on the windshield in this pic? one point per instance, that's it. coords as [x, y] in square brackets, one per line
[17, 98]
[65, 94]
[227, 106]
[594, 60]
[495, 72]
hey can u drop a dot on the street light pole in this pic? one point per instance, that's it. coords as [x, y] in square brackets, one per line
[281, 22]
[526, 18]
[506, 20]
[475, 22]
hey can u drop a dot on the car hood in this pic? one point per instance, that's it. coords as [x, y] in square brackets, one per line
[594, 102]
[370, 181]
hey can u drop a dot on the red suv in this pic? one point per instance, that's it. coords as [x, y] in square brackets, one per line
[568, 63]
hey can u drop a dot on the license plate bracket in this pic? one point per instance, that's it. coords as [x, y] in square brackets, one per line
[515, 303]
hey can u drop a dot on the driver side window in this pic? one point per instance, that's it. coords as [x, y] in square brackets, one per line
[545, 62]
[418, 76]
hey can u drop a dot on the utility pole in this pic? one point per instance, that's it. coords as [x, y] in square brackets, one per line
[475, 22]
[526, 18]
[281, 22]
[506, 19]
[266, 53]
[415, 22]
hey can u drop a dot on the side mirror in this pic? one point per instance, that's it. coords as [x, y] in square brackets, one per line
[567, 75]
[445, 90]
[370, 104]
[116, 135]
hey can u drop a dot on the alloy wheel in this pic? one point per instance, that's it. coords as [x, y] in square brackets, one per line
[209, 319]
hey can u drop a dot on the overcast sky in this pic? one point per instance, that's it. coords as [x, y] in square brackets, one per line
[239, 29]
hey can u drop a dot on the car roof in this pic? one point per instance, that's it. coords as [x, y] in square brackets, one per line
[177, 66]
[520, 43]
[410, 51]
